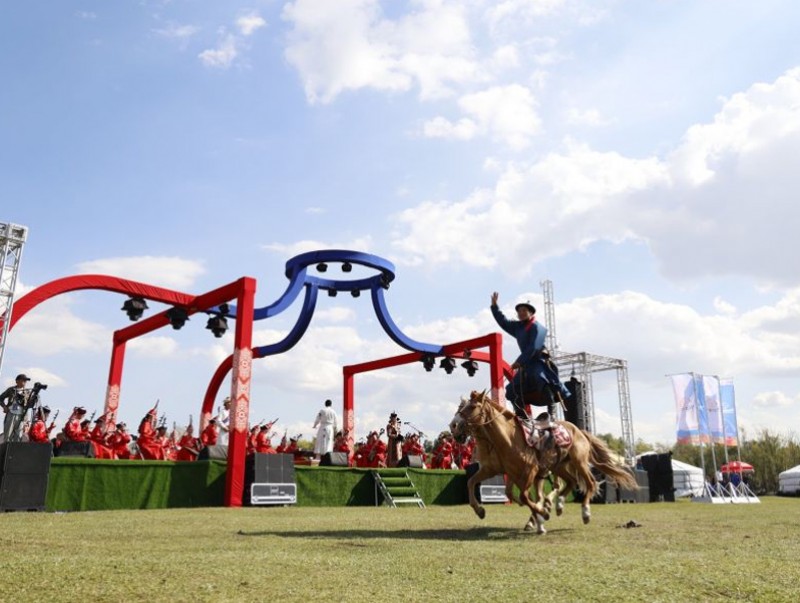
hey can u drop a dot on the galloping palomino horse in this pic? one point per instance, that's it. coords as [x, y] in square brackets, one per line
[503, 448]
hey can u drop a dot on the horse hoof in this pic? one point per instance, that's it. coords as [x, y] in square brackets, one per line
[586, 519]
[541, 531]
[545, 515]
[481, 512]
[528, 527]
[560, 506]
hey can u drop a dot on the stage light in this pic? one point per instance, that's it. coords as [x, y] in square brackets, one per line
[385, 280]
[428, 361]
[347, 267]
[134, 307]
[332, 292]
[322, 267]
[217, 325]
[355, 292]
[471, 366]
[177, 317]
[448, 364]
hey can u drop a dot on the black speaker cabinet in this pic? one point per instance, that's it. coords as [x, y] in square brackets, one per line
[24, 472]
[334, 459]
[411, 460]
[216, 452]
[81, 449]
[273, 468]
[575, 412]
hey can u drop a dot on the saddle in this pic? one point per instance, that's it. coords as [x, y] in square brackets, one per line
[543, 434]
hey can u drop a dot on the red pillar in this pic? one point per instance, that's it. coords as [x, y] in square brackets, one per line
[114, 382]
[240, 392]
[496, 368]
[348, 410]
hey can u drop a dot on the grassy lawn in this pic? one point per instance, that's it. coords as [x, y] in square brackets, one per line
[681, 552]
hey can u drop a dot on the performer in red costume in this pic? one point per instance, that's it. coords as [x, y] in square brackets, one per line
[210, 434]
[39, 431]
[377, 456]
[188, 445]
[102, 450]
[149, 448]
[72, 430]
[120, 440]
[263, 441]
[251, 439]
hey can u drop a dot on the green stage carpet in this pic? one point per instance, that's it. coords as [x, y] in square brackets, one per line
[78, 484]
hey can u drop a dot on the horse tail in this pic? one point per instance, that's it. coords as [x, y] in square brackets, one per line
[600, 457]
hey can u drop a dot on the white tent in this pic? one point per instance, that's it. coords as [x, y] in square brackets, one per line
[789, 481]
[687, 479]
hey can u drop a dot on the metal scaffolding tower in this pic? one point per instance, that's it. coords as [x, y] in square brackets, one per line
[12, 239]
[582, 366]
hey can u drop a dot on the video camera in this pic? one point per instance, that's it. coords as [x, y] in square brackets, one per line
[37, 387]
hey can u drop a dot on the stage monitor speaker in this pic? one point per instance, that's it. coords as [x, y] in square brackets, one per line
[81, 449]
[334, 459]
[217, 452]
[492, 489]
[25, 457]
[413, 461]
[273, 468]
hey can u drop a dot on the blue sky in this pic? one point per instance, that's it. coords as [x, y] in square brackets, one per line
[640, 155]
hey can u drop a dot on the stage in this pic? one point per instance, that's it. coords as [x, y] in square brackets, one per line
[78, 484]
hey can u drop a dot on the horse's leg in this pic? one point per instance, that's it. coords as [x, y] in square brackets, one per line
[591, 488]
[481, 474]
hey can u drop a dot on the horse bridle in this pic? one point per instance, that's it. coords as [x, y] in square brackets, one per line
[497, 412]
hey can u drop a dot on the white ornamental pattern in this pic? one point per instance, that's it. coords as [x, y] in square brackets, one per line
[242, 369]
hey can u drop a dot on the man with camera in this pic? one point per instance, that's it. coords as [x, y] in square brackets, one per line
[15, 401]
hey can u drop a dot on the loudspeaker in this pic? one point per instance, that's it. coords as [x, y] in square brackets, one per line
[213, 453]
[25, 457]
[575, 412]
[492, 489]
[334, 459]
[411, 460]
[273, 468]
[82, 449]
[24, 472]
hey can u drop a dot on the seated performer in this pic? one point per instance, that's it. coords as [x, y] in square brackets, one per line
[263, 441]
[188, 445]
[72, 430]
[209, 436]
[39, 431]
[149, 448]
[99, 440]
[120, 442]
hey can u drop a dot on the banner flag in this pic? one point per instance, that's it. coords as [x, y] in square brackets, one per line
[716, 429]
[692, 417]
[727, 398]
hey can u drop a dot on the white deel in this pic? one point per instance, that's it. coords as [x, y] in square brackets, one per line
[326, 424]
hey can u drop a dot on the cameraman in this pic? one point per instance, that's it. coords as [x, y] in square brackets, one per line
[15, 402]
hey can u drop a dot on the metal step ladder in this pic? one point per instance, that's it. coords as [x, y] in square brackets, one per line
[396, 488]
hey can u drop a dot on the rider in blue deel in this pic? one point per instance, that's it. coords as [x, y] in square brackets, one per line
[534, 371]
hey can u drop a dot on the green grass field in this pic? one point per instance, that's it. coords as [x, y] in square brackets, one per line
[681, 552]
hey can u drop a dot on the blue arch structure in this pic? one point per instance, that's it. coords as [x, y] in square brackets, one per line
[297, 271]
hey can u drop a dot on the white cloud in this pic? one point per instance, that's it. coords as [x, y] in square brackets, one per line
[177, 32]
[53, 328]
[349, 45]
[587, 117]
[505, 113]
[774, 399]
[154, 346]
[505, 57]
[335, 314]
[298, 247]
[315, 210]
[154, 270]
[249, 23]
[86, 15]
[41, 375]
[223, 55]
[721, 203]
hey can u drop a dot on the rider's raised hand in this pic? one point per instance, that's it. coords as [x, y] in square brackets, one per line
[495, 297]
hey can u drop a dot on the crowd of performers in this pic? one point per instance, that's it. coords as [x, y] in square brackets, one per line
[154, 441]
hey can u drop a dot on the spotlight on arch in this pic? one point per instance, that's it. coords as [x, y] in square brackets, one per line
[332, 292]
[448, 364]
[355, 292]
[385, 280]
[177, 317]
[322, 267]
[471, 366]
[217, 323]
[134, 307]
[428, 361]
[347, 267]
